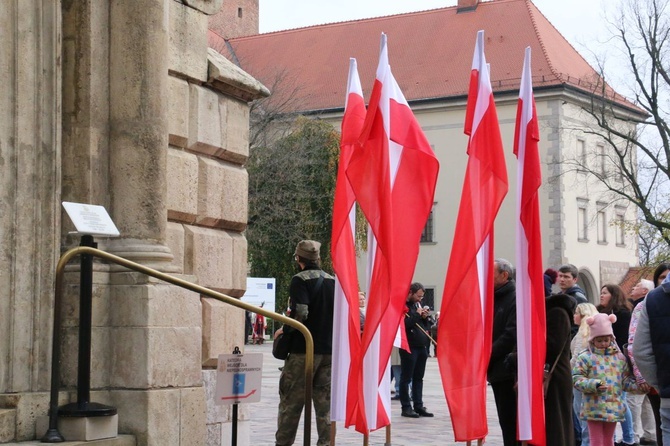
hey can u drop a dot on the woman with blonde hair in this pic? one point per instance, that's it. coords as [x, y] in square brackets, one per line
[578, 344]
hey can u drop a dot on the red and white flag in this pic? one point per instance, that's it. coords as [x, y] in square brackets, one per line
[466, 316]
[530, 310]
[393, 173]
[345, 385]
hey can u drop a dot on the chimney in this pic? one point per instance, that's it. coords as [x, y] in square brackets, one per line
[466, 5]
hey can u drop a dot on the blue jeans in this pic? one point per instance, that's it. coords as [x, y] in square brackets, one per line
[577, 407]
[627, 424]
[395, 376]
[665, 424]
[413, 366]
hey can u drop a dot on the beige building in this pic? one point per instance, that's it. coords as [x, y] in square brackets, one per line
[430, 55]
[123, 105]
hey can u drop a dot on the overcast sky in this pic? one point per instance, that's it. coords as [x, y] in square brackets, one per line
[580, 21]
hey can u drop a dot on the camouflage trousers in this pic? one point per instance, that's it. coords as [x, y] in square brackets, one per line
[292, 398]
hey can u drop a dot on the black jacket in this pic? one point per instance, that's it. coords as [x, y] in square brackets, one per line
[319, 305]
[415, 337]
[620, 327]
[504, 332]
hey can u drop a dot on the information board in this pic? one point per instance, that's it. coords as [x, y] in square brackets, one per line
[238, 378]
[261, 290]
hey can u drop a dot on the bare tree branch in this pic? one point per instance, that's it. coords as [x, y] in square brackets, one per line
[635, 167]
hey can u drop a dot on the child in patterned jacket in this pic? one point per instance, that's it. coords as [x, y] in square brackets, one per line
[602, 374]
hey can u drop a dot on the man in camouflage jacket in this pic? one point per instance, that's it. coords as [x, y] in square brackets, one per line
[311, 293]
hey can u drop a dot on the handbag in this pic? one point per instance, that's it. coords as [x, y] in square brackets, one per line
[546, 377]
[281, 345]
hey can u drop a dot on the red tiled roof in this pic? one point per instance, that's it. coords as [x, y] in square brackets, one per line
[430, 53]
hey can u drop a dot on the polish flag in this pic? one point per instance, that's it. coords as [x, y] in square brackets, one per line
[530, 312]
[346, 319]
[393, 172]
[466, 316]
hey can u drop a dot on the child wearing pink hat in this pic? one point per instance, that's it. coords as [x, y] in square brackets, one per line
[602, 374]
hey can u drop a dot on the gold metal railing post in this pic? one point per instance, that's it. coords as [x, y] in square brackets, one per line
[53, 436]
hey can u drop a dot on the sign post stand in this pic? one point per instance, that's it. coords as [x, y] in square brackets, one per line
[84, 407]
[238, 380]
[235, 404]
[83, 420]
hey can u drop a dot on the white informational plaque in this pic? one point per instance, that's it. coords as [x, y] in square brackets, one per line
[261, 290]
[91, 219]
[238, 379]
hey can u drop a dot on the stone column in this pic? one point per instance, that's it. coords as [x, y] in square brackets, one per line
[156, 328]
[30, 147]
[139, 129]
[85, 104]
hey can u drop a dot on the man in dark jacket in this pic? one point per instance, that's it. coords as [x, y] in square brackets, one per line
[567, 281]
[651, 348]
[312, 294]
[413, 363]
[501, 376]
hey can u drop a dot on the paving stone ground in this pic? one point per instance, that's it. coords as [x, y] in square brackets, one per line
[404, 431]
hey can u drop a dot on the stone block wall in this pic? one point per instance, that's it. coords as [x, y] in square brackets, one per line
[133, 112]
[207, 184]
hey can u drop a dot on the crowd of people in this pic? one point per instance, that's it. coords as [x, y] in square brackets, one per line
[609, 363]
[605, 364]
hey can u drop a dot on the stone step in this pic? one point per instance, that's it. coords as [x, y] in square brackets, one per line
[121, 440]
[7, 424]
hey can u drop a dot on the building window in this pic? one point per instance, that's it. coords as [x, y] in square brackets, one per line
[581, 153]
[602, 160]
[239, 13]
[427, 236]
[582, 220]
[620, 227]
[602, 226]
[429, 298]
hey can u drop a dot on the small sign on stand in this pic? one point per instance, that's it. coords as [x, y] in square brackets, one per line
[238, 380]
[91, 219]
[85, 420]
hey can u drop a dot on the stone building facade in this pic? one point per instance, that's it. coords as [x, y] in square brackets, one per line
[122, 104]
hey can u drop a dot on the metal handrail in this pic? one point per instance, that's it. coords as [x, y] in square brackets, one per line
[53, 436]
